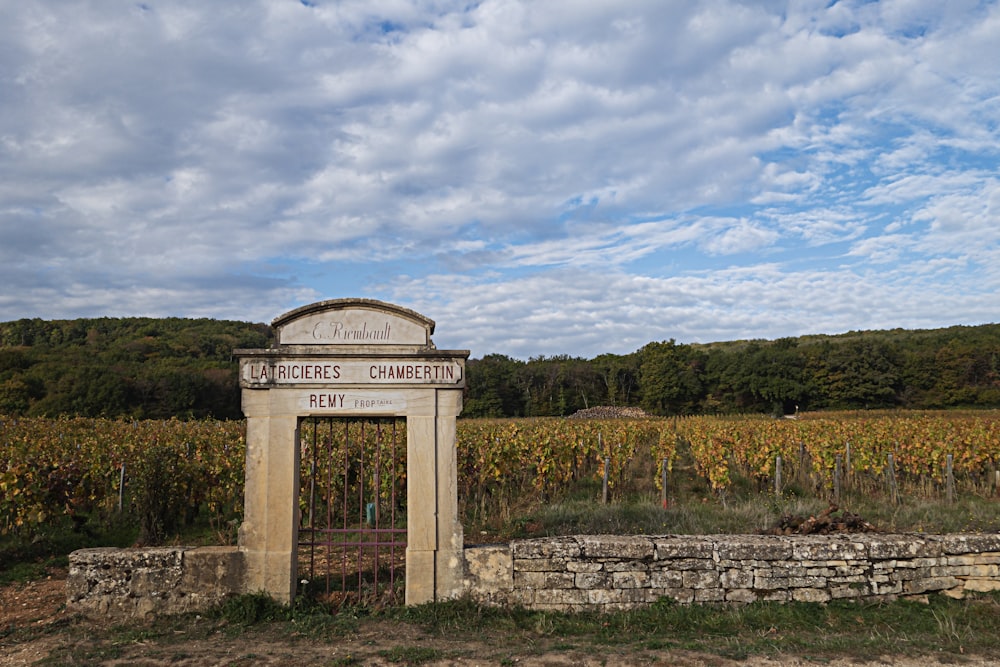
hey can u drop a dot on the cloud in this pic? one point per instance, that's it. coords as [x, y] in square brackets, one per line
[635, 169]
[593, 312]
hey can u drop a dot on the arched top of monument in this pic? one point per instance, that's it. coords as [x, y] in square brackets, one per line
[353, 322]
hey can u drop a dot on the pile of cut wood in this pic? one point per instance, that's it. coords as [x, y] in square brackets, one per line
[608, 412]
[830, 520]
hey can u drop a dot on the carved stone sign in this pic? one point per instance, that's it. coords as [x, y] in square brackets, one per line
[271, 371]
[354, 322]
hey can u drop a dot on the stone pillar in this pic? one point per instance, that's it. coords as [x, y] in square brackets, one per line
[421, 508]
[450, 557]
[268, 533]
[434, 559]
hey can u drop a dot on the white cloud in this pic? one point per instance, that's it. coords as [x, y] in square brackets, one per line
[639, 159]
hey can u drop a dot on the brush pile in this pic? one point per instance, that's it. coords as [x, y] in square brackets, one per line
[830, 521]
[609, 412]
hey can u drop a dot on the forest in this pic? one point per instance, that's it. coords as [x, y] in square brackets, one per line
[146, 368]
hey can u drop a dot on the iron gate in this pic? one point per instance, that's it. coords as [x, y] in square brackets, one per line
[352, 527]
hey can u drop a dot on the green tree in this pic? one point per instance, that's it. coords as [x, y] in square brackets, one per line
[776, 376]
[619, 376]
[671, 378]
[492, 389]
[859, 373]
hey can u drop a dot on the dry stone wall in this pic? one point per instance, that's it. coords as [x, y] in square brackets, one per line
[588, 572]
[136, 583]
[618, 572]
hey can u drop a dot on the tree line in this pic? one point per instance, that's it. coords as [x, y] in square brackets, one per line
[175, 367]
[143, 368]
[955, 367]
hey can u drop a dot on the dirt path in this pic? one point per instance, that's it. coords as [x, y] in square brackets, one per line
[34, 626]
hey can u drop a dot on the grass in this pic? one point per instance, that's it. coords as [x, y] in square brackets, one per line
[411, 655]
[747, 515]
[937, 624]
[29, 556]
[746, 507]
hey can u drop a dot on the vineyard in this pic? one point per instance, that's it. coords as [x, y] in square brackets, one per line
[870, 451]
[84, 468]
[76, 469]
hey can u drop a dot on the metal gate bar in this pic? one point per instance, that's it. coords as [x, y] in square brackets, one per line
[355, 469]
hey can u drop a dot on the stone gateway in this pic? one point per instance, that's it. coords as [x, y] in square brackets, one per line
[352, 358]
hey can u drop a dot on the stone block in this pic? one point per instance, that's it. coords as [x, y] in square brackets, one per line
[666, 579]
[950, 570]
[626, 566]
[541, 564]
[741, 595]
[901, 547]
[851, 570]
[926, 584]
[985, 571]
[679, 595]
[769, 582]
[544, 580]
[609, 598]
[489, 573]
[824, 572]
[548, 547]
[524, 597]
[685, 564]
[851, 590]
[593, 580]
[633, 579]
[982, 585]
[735, 579]
[584, 566]
[562, 608]
[752, 547]
[563, 596]
[964, 543]
[709, 595]
[806, 582]
[216, 569]
[683, 547]
[623, 547]
[828, 548]
[811, 595]
[700, 579]
[777, 595]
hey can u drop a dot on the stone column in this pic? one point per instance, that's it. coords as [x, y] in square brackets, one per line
[270, 510]
[421, 508]
[434, 559]
[450, 557]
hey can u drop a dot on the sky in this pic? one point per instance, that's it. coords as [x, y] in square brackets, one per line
[539, 177]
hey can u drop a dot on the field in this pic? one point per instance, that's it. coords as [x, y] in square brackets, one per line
[70, 483]
[165, 473]
[91, 471]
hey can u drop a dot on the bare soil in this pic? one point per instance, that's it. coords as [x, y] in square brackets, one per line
[36, 628]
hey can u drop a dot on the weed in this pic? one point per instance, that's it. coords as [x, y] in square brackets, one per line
[251, 609]
[411, 655]
[345, 661]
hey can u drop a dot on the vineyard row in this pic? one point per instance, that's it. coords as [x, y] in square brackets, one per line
[50, 468]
